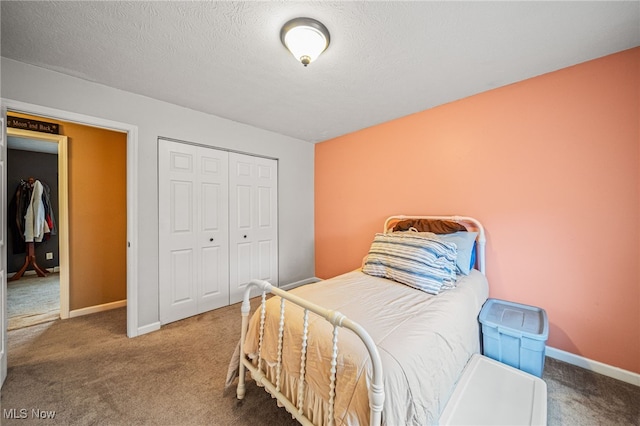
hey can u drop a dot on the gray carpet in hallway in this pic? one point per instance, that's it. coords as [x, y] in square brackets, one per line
[33, 300]
[88, 372]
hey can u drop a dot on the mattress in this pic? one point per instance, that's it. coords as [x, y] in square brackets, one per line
[424, 342]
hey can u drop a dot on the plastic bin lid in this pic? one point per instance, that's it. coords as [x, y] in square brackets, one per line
[492, 393]
[529, 320]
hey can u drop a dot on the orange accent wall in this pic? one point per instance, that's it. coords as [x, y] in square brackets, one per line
[97, 215]
[550, 165]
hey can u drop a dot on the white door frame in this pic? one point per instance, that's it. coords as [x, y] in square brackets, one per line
[132, 191]
[63, 203]
[3, 249]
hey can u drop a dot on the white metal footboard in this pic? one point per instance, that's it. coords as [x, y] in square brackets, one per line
[376, 389]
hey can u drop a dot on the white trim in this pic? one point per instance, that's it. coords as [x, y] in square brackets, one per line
[63, 226]
[132, 189]
[295, 284]
[149, 328]
[63, 207]
[97, 308]
[4, 319]
[132, 232]
[595, 366]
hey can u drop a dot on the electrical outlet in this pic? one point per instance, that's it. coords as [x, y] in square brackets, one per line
[49, 255]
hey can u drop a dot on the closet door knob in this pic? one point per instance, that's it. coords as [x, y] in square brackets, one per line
[245, 236]
[210, 239]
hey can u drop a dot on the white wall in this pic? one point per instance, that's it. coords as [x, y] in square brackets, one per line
[34, 85]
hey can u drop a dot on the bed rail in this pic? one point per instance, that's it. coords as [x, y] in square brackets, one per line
[376, 388]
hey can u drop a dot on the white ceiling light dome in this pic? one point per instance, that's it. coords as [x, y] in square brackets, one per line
[306, 39]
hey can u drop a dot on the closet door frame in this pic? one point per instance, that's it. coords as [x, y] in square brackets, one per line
[63, 207]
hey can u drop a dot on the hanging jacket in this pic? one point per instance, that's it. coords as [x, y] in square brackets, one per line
[48, 210]
[17, 210]
[32, 213]
[35, 225]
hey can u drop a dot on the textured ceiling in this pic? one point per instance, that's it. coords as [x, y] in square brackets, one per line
[386, 59]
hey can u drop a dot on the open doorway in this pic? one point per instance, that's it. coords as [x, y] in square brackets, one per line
[131, 136]
[95, 237]
[37, 266]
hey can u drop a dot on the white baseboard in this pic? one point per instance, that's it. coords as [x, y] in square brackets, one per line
[299, 283]
[97, 308]
[595, 366]
[156, 325]
[148, 328]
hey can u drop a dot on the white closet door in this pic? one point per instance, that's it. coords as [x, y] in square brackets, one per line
[193, 234]
[253, 222]
[213, 243]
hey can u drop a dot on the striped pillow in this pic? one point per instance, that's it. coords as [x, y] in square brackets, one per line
[419, 261]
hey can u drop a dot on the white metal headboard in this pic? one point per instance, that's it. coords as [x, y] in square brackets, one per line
[468, 222]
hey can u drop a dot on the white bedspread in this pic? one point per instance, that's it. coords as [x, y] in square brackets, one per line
[424, 343]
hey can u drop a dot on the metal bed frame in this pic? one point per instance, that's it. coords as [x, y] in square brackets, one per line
[376, 387]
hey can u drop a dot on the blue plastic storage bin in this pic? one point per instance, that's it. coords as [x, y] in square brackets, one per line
[515, 334]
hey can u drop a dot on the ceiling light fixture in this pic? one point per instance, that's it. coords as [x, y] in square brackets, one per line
[305, 38]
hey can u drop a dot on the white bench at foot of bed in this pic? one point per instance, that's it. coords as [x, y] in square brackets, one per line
[492, 393]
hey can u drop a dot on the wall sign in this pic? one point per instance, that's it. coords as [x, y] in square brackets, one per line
[33, 125]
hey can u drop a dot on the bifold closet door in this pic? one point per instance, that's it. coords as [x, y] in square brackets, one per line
[193, 236]
[253, 222]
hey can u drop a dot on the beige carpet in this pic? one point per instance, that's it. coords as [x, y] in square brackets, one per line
[33, 300]
[86, 371]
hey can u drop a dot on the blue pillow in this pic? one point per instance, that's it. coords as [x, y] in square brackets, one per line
[465, 243]
[473, 255]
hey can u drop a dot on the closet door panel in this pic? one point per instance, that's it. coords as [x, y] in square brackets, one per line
[181, 207]
[179, 286]
[212, 287]
[193, 229]
[213, 235]
[253, 222]
[243, 165]
[181, 283]
[211, 199]
[244, 264]
[176, 203]
[265, 254]
[267, 219]
[243, 208]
